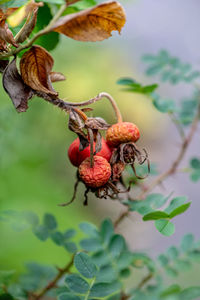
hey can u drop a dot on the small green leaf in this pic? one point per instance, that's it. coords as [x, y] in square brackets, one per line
[165, 227]
[173, 252]
[77, 284]
[116, 245]
[106, 231]
[88, 229]
[104, 289]
[171, 290]
[69, 234]
[187, 242]
[175, 202]
[57, 237]
[195, 163]
[179, 210]
[126, 81]
[107, 274]
[92, 244]
[68, 296]
[41, 232]
[190, 293]
[70, 247]
[156, 215]
[49, 221]
[84, 265]
[163, 259]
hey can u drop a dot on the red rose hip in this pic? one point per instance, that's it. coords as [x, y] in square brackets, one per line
[76, 156]
[122, 132]
[95, 176]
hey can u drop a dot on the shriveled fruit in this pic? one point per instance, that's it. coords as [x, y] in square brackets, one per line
[76, 156]
[95, 176]
[122, 132]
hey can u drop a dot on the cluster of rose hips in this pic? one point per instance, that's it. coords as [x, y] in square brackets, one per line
[116, 152]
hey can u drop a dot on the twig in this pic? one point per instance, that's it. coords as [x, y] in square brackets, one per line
[53, 283]
[178, 125]
[97, 98]
[172, 169]
[144, 280]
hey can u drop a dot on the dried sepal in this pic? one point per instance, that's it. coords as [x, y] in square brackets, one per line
[76, 125]
[28, 28]
[6, 35]
[18, 91]
[57, 76]
[93, 24]
[96, 124]
[35, 66]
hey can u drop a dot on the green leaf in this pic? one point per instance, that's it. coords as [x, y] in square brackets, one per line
[163, 259]
[57, 237]
[116, 245]
[106, 231]
[49, 221]
[173, 252]
[124, 260]
[182, 265]
[179, 210]
[156, 215]
[126, 81]
[84, 265]
[195, 176]
[68, 296]
[107, 274]
[70, 246]
[77, 284]
[195, 163]
[171, 290]
[69, 234]
[104, 289]
[101, 258]
[190, 293]
[92, 244]
[163, 105]
[165, 227]
[171, 271]
[187, 242]
[31, 218]
[41, 232]
[175, 202]
[88, 229]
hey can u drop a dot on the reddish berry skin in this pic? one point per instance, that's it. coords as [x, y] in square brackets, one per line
[96, 176]
[76, 156]
[122, 132]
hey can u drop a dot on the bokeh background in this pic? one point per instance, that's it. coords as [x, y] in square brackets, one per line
[35, 173]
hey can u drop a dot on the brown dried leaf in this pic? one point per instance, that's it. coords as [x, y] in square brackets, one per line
[93, 24]
[28, 28]
[57, 76]
[15, 87]
[35, 67]
[3, 65]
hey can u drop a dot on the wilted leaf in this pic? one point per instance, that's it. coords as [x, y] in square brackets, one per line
[13, 84]
[28, 28]
[57, 76]
[35, 67]
[93, 24]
